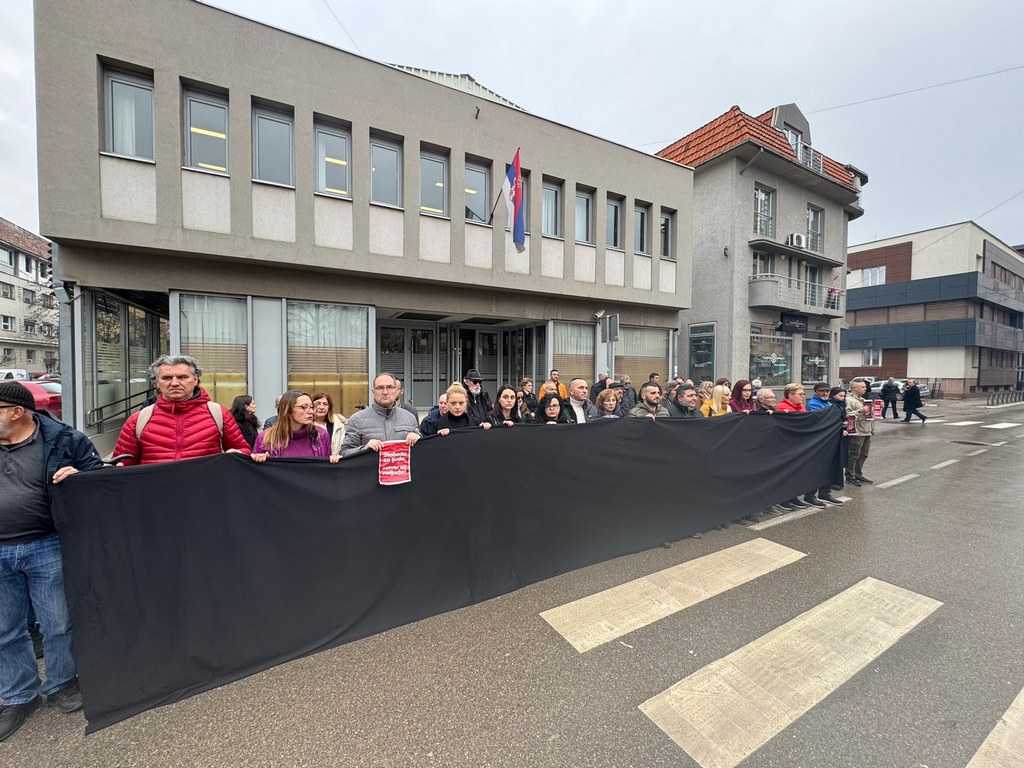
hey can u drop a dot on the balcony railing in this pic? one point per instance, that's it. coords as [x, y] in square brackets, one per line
[809, 157]
[781, 292]
[814, 241]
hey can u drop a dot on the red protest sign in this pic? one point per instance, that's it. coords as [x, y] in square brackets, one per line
[395, 463]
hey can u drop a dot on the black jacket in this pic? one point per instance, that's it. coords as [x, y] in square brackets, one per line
[912, 399]
[676, 411]
[479, 405]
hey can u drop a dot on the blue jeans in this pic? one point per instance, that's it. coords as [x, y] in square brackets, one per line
[31, 575]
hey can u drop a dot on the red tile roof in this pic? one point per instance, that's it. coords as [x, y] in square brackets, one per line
[732, 129]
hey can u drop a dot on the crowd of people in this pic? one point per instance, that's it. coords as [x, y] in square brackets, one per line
[182, 422]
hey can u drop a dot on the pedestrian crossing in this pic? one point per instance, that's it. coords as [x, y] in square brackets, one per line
[1005, 744]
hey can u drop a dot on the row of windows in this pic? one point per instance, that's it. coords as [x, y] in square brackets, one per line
[130, 133]
[764, 218]
[10, 323]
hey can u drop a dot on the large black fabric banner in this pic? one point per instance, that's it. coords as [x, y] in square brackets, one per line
[182, 577]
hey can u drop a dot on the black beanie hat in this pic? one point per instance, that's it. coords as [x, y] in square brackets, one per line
[15, 393]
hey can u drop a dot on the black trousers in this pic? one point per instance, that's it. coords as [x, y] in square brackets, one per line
[885, 410]
[913, 412]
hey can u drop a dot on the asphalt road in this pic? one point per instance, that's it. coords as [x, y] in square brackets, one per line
[495, 685]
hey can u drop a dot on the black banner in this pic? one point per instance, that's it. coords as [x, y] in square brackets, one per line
[182, 577]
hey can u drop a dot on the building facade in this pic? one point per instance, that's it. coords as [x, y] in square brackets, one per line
[298, 216]
[769, 249]
[28, 307]
[944, 306]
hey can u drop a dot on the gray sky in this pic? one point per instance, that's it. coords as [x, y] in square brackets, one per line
[645, 76]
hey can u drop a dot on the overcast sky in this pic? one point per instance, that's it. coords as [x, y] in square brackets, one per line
[644, 73]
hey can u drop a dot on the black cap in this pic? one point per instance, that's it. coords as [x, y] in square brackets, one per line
[474, 375]
[822, 386]
[15, 393]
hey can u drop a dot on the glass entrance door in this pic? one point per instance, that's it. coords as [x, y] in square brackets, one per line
[410, 353]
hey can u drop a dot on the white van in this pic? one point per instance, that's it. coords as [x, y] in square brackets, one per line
[14, 373]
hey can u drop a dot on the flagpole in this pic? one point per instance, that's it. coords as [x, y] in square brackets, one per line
[490, 219]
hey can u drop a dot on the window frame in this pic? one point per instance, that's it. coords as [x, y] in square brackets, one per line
[613, 218]
[484, 195]
[28, 296]
[760, 258]
[28, 325]
[764, 223]
[113, 75]
[6, 290]
[547, 209]
[210, 100]
[641, 230]
[8, 322]
[426, 157]
[261, 113]
[869, 354]
[666, 232]
[587, 198]
[378, 142]
[815, 237]
[321, 159]
[870, 276]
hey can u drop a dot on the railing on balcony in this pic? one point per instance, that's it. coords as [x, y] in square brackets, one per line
[814, 241]
[809, 157]
[790, 293]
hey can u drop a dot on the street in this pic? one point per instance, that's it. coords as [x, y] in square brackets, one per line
[888, 631]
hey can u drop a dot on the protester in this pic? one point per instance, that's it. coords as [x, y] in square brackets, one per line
[650, 406]
[765, 400]
[529, 398]
[459, 415]
[629, 396]
[183, 423]
[912, 402]
[723, 381]
[654, 378]
[608, 404]
[400, 400]
[890, 394]
[704, 390]
[381, 420]
[324, 416]
[294, 435]
[429, 424]
[718, 403]
[549, 387]
[36, 450]
[860, 438]
[505, 413]
[580, 410]
[742, 400]
[243, 411]
[525, 412]
[684, 404]
[273, 419]
[599, 386]
[793, 402]
[563, 392]
[550, 410]
[820, 400]
[477, 397]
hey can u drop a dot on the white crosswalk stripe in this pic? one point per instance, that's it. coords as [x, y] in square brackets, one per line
[724, 712]
[1002, 425]
[1005, 745]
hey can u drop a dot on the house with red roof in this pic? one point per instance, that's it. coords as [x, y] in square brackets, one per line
[770, 218]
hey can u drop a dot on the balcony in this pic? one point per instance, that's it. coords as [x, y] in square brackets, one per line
[771, 291]
[809, 157]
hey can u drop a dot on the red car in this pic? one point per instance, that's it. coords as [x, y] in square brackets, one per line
[47, 396]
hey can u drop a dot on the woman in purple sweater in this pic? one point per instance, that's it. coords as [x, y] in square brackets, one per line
[294, 435]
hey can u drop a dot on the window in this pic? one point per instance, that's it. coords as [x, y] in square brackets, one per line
[641, 237]
[551, 207]
[385, 172]
[872, 276]
[434, 184]
[29, 326]
[613, 224]
[6, 291]
[7, 323]
[30, 355]
[6, 258]
[584, 216]
[328, 349]
[871, 358]
[214, 329]
[702, 352]
[272, 147]
[764, 263]
[8, 354]
[666, 236]
[48, 300]
[478, 192]
[129, 115]
[764, 211]
[793, 136]
[206, 132]
[29, 266]
[815, 228]
[771, 356]
[29, 297]
[333, 174]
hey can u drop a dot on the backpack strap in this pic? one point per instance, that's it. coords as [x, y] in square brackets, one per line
[215, 410]
[144, 416]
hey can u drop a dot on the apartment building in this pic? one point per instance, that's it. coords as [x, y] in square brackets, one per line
[769, 249]
[944, 305]
[28, 307]
[295, 215]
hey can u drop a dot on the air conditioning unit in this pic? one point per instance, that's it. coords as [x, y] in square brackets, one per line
[797, 240]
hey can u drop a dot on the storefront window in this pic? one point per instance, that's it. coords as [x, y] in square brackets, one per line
[702, 353]
[639, 352]
[573, 352]
[328, 352]
[771, 357]
[815, 358]
[214, 330]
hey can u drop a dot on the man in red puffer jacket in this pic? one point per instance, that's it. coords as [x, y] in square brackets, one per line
[182, 423]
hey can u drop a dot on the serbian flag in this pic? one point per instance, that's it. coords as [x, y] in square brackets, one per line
[512, 189]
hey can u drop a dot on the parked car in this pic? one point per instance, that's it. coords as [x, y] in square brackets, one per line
[14, 373]
[875, 388]
[47, 395]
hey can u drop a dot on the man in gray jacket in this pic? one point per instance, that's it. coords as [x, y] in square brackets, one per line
[382, 420]
[580, 410]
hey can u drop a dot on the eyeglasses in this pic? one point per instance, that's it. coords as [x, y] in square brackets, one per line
[747, 389]
[385, 388]
[303, 407]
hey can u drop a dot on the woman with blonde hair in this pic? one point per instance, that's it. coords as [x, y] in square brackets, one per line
[294, 435]
[704, 391]
[718, 403]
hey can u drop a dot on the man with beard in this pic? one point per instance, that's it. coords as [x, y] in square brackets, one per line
[479, 400]
[650, 406]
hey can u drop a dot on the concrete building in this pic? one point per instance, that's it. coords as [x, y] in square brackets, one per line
[769, 249]
[944, 306]
[295, 215]
[28, 307]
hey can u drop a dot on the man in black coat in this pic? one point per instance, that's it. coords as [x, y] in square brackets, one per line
[479, 401]
[890, 394]
[912, 402]
[684, 404]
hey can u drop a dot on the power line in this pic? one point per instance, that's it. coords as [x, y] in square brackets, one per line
[915, 90]
[342, 27]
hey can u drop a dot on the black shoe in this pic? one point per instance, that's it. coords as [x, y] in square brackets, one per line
[814, 502]
[13, 715]
[799, 504]
[786, 505]
[37, 640]
[862, 479]
[67, 698]
[837, 487]
[853, 481]
[828, 498]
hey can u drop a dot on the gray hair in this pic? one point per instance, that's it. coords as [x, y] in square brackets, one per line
[191, 362]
